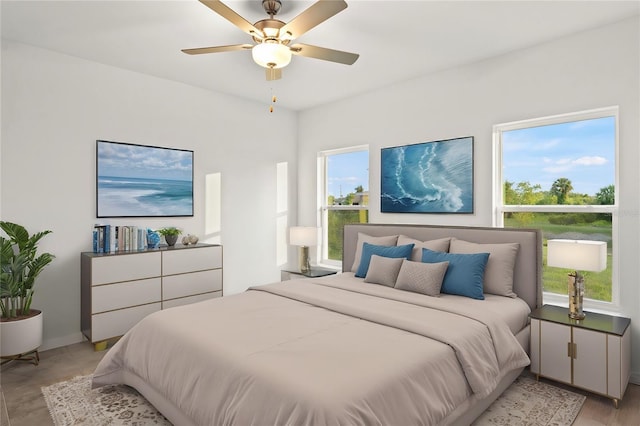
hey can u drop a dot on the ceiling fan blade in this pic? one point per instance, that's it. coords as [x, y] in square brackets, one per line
[230, 15]
[309, 18]
[323, 53]
[217, 49]
[273, 74]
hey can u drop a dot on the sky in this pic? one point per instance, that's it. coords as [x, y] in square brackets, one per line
[347, 171]
[581, 151]
[137, 161]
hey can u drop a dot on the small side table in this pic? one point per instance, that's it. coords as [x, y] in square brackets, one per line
[593, 354]
[315, 272]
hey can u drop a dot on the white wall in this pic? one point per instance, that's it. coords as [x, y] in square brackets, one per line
[56, 106]
[593, 69]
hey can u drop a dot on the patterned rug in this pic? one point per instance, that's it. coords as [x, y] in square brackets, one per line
[525, 402]
[74, 403]
[532, 403]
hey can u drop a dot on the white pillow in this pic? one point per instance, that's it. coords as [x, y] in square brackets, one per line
[424, 278]
[379, 241]
[498, 274]
[441, 244]
[383, 270]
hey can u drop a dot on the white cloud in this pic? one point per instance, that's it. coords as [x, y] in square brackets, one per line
[566, 164]
[590, 161]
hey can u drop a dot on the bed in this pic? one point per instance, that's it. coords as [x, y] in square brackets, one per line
[345, 349]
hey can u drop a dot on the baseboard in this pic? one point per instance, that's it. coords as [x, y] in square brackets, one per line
[635, 378]
[58, 342]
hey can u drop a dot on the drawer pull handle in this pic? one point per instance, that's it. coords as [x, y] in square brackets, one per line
[569, 353]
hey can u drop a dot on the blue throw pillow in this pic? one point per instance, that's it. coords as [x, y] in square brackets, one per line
[465, 274]
[369, 250]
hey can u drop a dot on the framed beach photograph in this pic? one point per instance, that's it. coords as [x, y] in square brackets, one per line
[428, 177]
[143, 181]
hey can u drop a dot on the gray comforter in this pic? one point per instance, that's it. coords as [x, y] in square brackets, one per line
[313, 352]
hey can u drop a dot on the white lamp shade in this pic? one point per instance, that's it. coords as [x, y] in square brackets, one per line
[271, 54]
[580, 255]
[305, 236]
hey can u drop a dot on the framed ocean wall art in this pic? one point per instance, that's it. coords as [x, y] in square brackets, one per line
[429, 177]
[143, 181]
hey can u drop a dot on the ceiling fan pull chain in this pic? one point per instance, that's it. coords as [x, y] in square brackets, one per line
[273, 100]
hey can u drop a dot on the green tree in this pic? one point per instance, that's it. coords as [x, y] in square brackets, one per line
[359, 189]
[561, 189]
[348, 200]
[510, 194]
[522, 193]
[606, 195]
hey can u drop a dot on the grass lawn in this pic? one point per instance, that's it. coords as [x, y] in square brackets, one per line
[597, 284]
[554, 280]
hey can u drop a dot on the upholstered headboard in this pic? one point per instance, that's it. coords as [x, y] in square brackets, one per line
[527, 282]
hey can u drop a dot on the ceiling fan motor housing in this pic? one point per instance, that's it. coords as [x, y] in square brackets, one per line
[272, 7]
[271, 30]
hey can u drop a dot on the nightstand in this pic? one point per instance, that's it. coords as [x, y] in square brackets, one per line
[315, 272]
[593, 354]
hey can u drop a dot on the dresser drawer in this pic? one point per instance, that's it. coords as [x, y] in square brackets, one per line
[189, 284]
[190, 299]
[126, 267]
[116, 323]
[122, 295]
[189, 260]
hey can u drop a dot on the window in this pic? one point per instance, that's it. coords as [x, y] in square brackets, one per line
[559, 174]
[344, 189]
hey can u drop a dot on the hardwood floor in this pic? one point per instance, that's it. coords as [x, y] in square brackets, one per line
[21, 383]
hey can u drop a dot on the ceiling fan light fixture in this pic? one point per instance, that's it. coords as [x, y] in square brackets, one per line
[271, 54]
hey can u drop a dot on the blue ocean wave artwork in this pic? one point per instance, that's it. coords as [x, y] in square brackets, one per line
[143, 181]
[129, 196]
[430, 177]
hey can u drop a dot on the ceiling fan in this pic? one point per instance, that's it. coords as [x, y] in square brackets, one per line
[273, 48]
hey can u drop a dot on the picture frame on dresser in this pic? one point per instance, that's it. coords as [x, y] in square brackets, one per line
[143, 181]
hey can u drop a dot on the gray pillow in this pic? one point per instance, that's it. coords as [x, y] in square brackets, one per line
[379, 241]
[498, 274]
[383, 270]
[424, 278]
[441, 244]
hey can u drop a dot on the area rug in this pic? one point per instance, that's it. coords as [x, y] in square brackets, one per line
[525, 402]
[533, 403]
[74, 403]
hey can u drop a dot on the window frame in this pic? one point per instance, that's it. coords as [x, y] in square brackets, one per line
[323, 196]
[499, 208]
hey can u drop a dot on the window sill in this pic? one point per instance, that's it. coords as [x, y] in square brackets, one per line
[590, 305]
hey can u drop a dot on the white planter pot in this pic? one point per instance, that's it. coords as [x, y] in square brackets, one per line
[22, 336]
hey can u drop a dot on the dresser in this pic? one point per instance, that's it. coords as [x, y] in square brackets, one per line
[119, 289]
[592, 354]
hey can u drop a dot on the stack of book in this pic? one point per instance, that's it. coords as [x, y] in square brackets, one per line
[111, 238]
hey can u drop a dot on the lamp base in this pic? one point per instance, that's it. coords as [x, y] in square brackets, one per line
[303, 260]
[576, 296]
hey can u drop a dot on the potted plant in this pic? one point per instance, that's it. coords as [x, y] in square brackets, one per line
[20, 265]
[170, 235]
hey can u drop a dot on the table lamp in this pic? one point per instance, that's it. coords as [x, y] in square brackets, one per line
[581, 255]
[304, 237]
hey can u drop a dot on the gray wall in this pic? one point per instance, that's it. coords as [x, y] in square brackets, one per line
[594, 69]
[56, 106]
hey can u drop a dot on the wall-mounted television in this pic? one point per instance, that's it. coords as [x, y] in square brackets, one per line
[143, 181]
